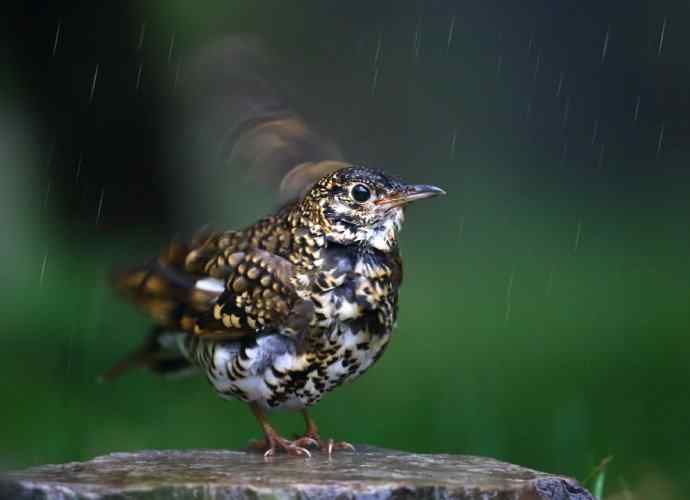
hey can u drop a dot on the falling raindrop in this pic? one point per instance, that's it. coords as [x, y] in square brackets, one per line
[93, 83]
[595, 131]
[499, 65]
[57, 36]
[559, 87]
[142, 33]
[605, 47]
[375, 74]
[576, 245]
[171, 47]
[44, 264]
[536, 68]
[509, 294]
[661, 37]
[79, 164]
[100, 206]
[451, 31]
[377, 53]
[139, 71]
[417, 40]
[637, 109]
[660, 141]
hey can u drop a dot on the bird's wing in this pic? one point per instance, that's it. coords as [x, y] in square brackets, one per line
[220, 292]
[234, 97]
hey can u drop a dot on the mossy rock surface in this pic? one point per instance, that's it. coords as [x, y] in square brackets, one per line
[370, 473]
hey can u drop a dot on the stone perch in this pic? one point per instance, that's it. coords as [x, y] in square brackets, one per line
[371, 473]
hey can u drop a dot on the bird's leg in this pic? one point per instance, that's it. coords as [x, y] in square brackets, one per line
[312, 437]
[275, 441]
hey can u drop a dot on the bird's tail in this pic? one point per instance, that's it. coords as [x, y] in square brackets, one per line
[162, 353]
[157, 286]
[164, 287]
[166, 292]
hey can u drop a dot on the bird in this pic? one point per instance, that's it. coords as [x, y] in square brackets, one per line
[291, 307]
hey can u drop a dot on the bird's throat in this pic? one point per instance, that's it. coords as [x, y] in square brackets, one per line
[381, 235]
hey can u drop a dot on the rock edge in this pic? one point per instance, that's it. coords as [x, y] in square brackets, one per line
[369, 474]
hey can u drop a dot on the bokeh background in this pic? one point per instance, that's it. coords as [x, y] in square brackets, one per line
[544, 319]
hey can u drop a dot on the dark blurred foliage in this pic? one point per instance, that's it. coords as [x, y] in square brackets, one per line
[545, 311]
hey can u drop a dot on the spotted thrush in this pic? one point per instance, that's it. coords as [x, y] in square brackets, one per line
[289, 308]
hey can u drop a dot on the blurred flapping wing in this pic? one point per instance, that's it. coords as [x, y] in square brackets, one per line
[238, 106]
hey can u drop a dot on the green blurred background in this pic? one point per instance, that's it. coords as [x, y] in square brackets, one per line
[544, 318]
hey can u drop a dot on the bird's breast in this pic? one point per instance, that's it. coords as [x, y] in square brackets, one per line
[354, 286]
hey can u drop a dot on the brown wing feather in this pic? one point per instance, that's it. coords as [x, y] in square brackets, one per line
[259, 293]
[258, 290]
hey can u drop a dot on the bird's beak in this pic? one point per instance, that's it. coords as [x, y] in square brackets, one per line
[409, 193]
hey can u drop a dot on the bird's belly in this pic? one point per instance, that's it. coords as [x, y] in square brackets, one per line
[357, 351]
[273, 374]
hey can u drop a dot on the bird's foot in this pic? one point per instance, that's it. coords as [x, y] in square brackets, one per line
[273, 444]
[326, 445]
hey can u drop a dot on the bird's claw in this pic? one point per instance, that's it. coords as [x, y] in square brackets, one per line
[332, 445]
[327, 446]
[290, 449]
[274, 444]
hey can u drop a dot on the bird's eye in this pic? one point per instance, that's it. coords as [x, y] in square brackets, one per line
[360, 193]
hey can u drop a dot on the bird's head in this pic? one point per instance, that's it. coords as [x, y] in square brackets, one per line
[357, 205]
